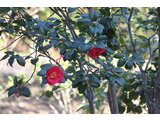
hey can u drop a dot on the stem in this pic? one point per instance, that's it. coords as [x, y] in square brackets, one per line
[11, 43]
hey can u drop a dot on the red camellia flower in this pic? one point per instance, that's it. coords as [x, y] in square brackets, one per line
[95, 52]
[54, 75]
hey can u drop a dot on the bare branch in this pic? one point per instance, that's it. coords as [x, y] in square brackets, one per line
[11, 43]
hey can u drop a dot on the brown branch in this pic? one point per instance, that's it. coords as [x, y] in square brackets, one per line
[11, 43]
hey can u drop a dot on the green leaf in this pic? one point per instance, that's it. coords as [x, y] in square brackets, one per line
[68, 55]
[46, 66]
[118, 70]
[4, 10]
[133, 95]
[138, 109]
[82, 88]
[78, 81]
[42, 72]
[47, 47]
[34, 61]
[101, 44]
[28, 57]
[20, 60]
[109, 50]
[40, 41]
[55, 88]
[11, 61]
[83, 108]
[25, 91]
[10, 53]
[120, 81]
[98, 103]
[15, 81]
[119, 55]
[71, 9]
[138, 55]
[80, 41]
[49, 94]
[94, 14]
[84, 20]
[94, 81]
[20, 81]
[1, 32]
[70, 69]
[4, 57]
[98, 28]
[121, 62]
[129, 65]
[12, 90]
[86, 47]
[44, 81]
[138, 60]
[53, 42]
[121, 109]
[80, 72]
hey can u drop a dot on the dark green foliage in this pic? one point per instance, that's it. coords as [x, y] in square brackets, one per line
[18, 88]
[42, 72]
[25, 91]
[20, 60]
[76, 33]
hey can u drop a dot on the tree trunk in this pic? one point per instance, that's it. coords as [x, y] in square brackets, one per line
[89, 97]
[157, 82]
[112, 98]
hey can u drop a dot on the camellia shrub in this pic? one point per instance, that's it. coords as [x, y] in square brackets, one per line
[113, 49]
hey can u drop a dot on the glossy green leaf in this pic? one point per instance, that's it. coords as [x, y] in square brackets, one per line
[49, 94]
[44, 81]
[20, 60]
[129, 65]
[11, 61]
[85, 47]
[94, 81]
[118, 70]
[12, 90]
[121, 62]
[4, 57]
[70, 9]
[119, 55]
[25, 91]
[42, 72]
[34, 61]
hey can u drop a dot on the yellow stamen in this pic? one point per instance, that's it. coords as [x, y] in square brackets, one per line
[53, 75]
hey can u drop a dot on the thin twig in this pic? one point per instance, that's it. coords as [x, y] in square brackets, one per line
[34, 70]
[11, 43]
